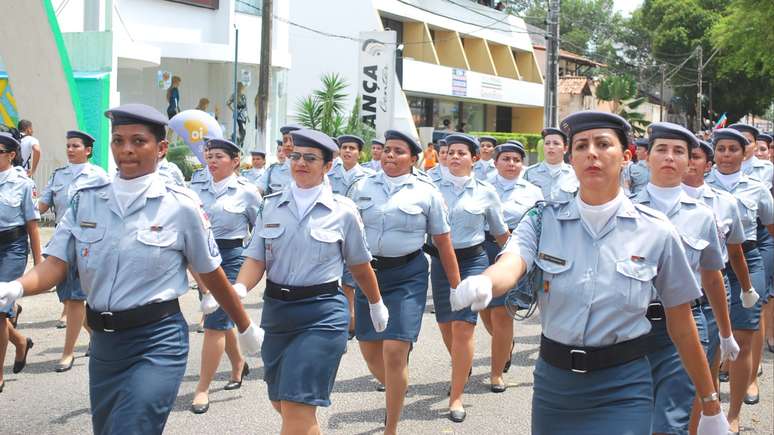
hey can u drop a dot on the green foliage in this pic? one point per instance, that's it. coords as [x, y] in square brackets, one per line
[529, 140]
[621, 92]
[179, 155]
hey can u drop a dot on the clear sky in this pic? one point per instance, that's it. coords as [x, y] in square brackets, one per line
[627, 6]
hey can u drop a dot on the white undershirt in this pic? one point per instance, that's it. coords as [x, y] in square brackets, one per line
[220, 186]
[127, 191]
[729, 180]
[4, 174]
[506, 182]
[693, 192]
[348, 174]
[663, 199]
[394, 182]
[305, 198]
[77, 168]
[595, 217]
[444, 172]
[554, 169]
[458, 182]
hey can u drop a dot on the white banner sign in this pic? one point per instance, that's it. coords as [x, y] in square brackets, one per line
[377, 79]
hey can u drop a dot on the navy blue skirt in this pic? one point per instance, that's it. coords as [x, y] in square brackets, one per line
[134, 376]
[766, 248]
[404, 292]
[468, 267]
[232, 260]
[70, 289]
[747, 318]
[617, 400]
[302, 349]
[13, 261]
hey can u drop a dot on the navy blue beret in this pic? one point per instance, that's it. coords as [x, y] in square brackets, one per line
[592, 119]
[489, 139]
[641, 142]
[668, 130]
[9, 141]
[258, 153]
[728, 133]
[707, 148]
[375, 141]
[398, 135]
[766, 138]
[551, 130]
[351, 138]
[87, 139]
[134, 113]
[314, 139]
[442, 143]
[462, 138]
[279, 142]
[745, 128]
[512, 146]
[286, 129]
[222, 144]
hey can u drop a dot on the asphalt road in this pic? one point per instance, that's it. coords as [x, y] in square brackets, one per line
[39, 401]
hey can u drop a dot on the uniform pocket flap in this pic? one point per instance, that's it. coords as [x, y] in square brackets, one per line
[325, 236]
[88, 235]
[748, 203]
[271, 232]
[473, 208]
[10, 202]
[237, 207]
[364, 204]
[152, 237]
[694, 242]
[552, 263]
[410, 208]
[638, 270]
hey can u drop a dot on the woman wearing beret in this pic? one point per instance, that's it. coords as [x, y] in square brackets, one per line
[600, 257]
[517, 196]
[398, 210]
[58, 193]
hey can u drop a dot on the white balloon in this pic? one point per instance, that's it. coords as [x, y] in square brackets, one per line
[193, 126]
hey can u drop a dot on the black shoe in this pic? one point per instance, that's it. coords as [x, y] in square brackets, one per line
[457, 416]
[723, 376]
[408, 356]
[2, 385]
[235, 385]
[18, 366]
[200, 409]
[64, 367]
[380, 388]
[769, 345]
[351, 334]
[88, 350]
[498, 388]
[200, 329]
[61, 324]
[508, 363]
[15, 320]
[752, 400]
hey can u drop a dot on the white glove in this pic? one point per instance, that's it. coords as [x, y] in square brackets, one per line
[379, 315]
[474, 292]
[713, 425]
[749, 297]
[240, 290]
[209, 304]
[251, 340]
[9, 292]
[729, 350]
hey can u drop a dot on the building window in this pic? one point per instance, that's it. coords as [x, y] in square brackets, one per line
[421, 111]
[473, 117]
[252, 7]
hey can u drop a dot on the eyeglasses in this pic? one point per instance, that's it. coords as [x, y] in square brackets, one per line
[308, 157]
[5, 151]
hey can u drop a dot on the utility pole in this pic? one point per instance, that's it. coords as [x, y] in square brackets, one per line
[552, 65]
[264, 76]
[661, 95]
[698, 94]
[236, 86]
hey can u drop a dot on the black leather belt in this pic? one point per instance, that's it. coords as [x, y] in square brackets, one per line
[12, 235]
[489, 237]
[655, 312]
[700, 301]
[229, 243]
[294, 293]
[382, 263]
[114, 321]
[749, 245]
[587, 359]
[462, 253]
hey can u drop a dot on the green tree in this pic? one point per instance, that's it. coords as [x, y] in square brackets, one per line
[621, 92]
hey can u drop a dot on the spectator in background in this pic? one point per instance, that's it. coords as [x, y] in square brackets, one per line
[173, 97]
[241, 109]
[430, 157]
[280, 153]
[30, 147]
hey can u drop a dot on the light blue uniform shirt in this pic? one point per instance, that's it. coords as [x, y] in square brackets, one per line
[17, 200]
[472, 210]
[277, 178]
[561, 187]
[374, 165]
[516, 198]
[171, 173]
[397, 219]
[200, 176]
[638, 176]
[597, 289]
[695, 222]
[310, 249]
[435, 173]
[761, 170]
[233, 211]
[341, 180]
[484, 169]
[253, 174]
[65, 181]
[141, 258]
[727, 216]
[752, 197]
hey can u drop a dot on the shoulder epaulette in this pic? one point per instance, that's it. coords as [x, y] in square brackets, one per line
[188, 193]
[650, 212]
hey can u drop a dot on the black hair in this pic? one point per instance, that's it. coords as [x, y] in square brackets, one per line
[24, 124]
[17, 159]
[230, 152]
[158, 131]
[327, 155]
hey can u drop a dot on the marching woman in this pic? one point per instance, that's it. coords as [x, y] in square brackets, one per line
[484, 168]
[18, 235]
[755, 204]
[231, 204]
[59, 191]
[517, 195]
[132, 240]
[302, 238]
[473, 204]
[600, 257]
[398, 209]
[669, 151]
[553, 176]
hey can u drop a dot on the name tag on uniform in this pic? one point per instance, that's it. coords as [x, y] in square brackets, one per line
[364, 198]
[86, 224]
[637, 259]
[271, 225]
[156, 228]
[552, 259]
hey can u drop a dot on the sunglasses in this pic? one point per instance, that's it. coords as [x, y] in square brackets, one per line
[2, 151]
[308, 157]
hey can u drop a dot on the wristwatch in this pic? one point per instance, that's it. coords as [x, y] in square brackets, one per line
[711, 398]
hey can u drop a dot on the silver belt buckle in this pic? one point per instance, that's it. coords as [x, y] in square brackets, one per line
[285, 289]
[573, 352]
[656, 304]
[102, 315]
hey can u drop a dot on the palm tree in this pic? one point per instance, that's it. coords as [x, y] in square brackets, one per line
[621, 92]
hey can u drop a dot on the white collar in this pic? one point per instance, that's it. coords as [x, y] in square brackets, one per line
[663, 199]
